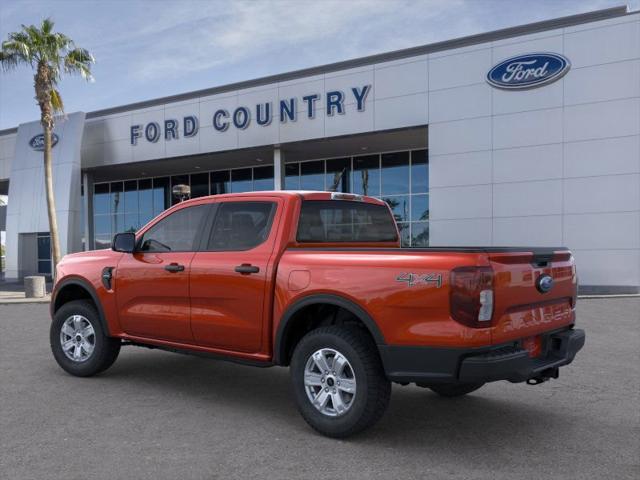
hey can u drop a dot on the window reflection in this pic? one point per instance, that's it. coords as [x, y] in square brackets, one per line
[405, 239]
[263, 178]
[116, 201]
[338, 175]
[419, 171]
[161, 195]
[399, 206]
[199, 185]
[420, 208]
[241, 180]
[312, 175]
[395, 173]
[420, 234]
[292, 176]
[101, 198]
[400, 178]
[220, 182]
[366, 175]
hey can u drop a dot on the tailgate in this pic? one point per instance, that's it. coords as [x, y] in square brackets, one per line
[534, 292]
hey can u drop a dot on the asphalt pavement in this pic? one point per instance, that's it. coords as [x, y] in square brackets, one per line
[160, 415]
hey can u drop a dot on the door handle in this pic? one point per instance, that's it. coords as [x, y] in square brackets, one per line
[174, 267]
[247, 268]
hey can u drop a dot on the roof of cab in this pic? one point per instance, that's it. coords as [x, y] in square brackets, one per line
[305, 194]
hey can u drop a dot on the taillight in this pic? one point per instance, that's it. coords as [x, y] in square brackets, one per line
[471, 296]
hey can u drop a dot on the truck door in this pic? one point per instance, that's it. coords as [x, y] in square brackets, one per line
[152, 284]
[229, 276]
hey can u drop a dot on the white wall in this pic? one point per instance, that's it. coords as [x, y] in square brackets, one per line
[7, 151]
[397, 99]
[556, 165]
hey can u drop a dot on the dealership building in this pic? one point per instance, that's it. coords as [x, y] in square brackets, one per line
[528, 135]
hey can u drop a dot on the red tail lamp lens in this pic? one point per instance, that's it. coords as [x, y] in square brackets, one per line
[471, 296]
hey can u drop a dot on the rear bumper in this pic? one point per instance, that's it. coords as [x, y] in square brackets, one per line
[511, 362]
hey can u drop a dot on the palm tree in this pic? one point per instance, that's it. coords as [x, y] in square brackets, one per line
[50, 54]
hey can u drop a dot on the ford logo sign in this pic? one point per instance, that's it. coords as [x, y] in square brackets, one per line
[528, 71]
[37, 142]
[544, 283]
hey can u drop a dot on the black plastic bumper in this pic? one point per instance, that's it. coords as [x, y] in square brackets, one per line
[511, 362]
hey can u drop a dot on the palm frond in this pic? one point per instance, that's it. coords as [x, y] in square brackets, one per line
[79, 61]
[47, 26]
[56, 101]
[9, 61]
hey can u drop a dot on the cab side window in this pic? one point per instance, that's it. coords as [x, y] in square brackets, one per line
[241, 225]
[176, 233]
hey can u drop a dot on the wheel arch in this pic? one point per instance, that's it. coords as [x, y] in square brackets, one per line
[76, 288]
[288, 321]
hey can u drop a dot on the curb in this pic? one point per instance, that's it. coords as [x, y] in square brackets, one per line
[18, 301]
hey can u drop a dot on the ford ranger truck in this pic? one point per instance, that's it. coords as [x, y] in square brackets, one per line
[317, 281]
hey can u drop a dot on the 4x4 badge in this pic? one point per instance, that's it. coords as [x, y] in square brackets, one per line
[420, 278]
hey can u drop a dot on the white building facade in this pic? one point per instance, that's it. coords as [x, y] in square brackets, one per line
[523, 136]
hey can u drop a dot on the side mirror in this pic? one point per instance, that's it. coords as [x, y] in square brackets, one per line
[124, 242]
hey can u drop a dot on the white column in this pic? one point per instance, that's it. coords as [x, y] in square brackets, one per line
[278, 169]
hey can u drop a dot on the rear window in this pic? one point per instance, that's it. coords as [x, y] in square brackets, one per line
[345, 221]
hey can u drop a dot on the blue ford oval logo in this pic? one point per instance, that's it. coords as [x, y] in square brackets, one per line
[544, 283]
[528, 71]
[37, 142]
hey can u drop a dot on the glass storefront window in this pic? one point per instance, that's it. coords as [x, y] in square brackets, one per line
[366, 175]
[292, 176]
[405, 238]
[338, 175]
[395, 173]
[312, 175]
[161, 195]
[199, 185]
[145, 199]
[220, 182]
[263, 178]
[419, 171]
[401, 179]
[117, 203]
[241, 180]
[131, 206]
[420, 234]
[44, 253]
[399, 206]
[419, 208]
[101, 198]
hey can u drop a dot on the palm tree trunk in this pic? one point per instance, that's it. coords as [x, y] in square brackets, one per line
[51, 202]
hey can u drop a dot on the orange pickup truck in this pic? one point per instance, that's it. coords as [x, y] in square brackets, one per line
[317, 281]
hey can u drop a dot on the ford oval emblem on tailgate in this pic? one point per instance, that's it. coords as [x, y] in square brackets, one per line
[544, 283]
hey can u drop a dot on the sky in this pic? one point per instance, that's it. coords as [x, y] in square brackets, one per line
[150, 49]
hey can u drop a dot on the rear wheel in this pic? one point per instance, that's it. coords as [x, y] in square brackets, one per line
[455, 389]
[78, 341]
[338, 381]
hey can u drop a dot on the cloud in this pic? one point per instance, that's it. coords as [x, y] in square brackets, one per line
[196, 36]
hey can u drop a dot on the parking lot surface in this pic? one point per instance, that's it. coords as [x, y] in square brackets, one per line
[162, 415]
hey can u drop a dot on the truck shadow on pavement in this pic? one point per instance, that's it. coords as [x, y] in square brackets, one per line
[497, 414]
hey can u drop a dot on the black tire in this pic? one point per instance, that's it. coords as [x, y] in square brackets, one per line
[105, 351]
[455, 389]
[373, 388]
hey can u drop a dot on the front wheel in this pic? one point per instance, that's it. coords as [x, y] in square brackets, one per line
[78, 341]
[338, 381]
